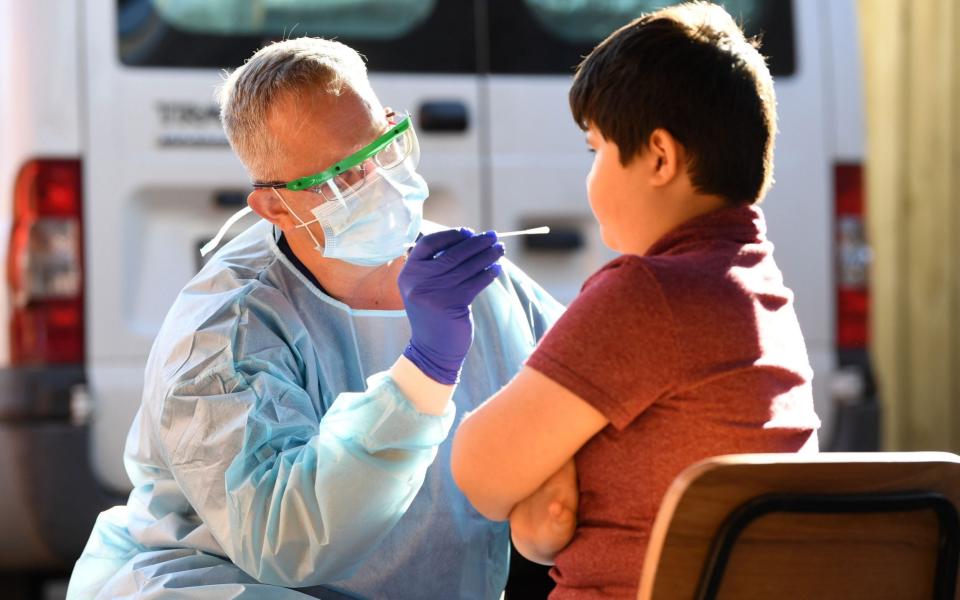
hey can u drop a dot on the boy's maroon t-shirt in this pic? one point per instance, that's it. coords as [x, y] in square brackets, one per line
[692, 350]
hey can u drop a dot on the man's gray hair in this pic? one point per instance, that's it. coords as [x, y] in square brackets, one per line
[290, 66]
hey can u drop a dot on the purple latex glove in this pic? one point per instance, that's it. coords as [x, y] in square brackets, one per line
[444, 273]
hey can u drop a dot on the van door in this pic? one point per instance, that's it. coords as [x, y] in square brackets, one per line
[538, 158]
[161, 179]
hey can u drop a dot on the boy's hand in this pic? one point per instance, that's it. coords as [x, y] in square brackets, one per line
[543, 523]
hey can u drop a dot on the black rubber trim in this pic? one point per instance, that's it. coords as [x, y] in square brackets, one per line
[55, 478]
[53, 471]
[38, 393]
[949, 544]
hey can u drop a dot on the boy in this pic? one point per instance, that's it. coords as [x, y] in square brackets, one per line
[685, 347]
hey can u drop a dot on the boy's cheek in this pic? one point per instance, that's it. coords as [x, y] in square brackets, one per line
[592, 187]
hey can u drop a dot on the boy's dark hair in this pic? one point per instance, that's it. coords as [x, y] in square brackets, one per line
[689, 70]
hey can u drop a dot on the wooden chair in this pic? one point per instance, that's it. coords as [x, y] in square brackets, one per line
[819, 526]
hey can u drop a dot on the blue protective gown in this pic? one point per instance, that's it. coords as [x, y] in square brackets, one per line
[271, 451]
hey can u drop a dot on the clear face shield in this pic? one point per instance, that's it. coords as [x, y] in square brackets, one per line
[394, 155]
[390, 161]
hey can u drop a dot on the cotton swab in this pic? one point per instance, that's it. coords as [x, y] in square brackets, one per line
[534, 231]
[500, 236]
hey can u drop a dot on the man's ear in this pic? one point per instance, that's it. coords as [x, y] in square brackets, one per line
[266, 203]
[666, 155]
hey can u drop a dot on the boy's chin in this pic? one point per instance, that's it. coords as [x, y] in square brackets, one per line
[608, 240]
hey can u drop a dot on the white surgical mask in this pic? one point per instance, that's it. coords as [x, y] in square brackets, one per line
[371, 226]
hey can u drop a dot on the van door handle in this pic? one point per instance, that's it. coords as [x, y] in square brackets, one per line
[443, 116]
[560, 239]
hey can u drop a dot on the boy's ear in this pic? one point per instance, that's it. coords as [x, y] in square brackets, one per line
[665, 155]
[264, 202]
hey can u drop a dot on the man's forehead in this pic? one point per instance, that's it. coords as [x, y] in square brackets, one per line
[335, 116]
[322, 127]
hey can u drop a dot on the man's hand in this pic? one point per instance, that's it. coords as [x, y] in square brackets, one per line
[444, 273]
[543, 523]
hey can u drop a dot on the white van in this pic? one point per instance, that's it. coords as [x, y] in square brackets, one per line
[114, 170]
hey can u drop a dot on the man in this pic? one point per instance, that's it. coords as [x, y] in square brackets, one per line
[273, 448]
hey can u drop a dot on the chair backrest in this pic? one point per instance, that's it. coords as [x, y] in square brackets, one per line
[791, 526]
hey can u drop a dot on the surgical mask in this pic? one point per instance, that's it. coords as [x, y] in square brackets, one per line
[371, 226]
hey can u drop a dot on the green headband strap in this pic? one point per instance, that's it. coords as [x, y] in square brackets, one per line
[353, 160]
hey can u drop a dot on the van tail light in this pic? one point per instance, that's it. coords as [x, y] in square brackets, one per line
[853, 259]
[45, 264]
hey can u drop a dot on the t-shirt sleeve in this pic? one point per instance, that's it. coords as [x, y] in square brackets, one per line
[614, 347]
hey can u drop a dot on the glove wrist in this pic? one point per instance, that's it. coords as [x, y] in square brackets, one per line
[447, 374]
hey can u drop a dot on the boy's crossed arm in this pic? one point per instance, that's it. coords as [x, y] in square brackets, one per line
[543, 523]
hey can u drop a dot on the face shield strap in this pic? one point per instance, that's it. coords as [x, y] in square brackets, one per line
[336, 192]
[303, 223]
[212, 244]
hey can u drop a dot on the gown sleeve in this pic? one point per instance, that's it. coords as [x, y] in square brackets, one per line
[541, 309]
[295, 496]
